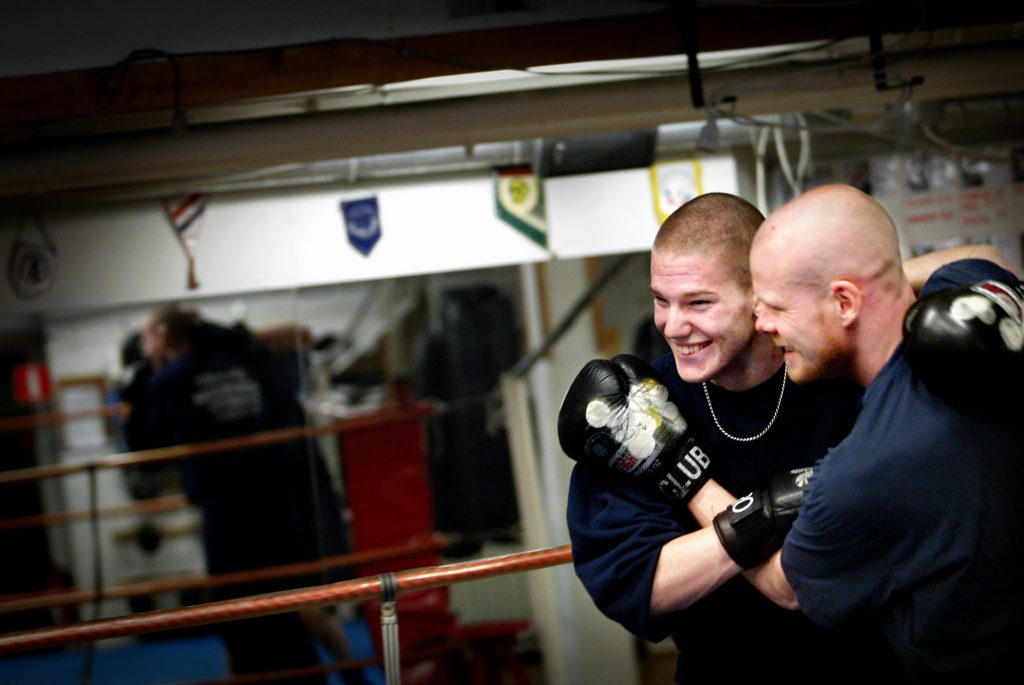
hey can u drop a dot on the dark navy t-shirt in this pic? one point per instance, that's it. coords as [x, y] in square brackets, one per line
[916, 518]
[263, 505]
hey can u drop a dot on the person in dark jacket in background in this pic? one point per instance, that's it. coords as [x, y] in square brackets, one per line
[261, 506]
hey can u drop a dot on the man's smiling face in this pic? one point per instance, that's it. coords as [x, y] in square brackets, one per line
[703, 311]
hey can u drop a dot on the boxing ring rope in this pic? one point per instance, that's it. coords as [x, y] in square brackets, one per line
[116, 409]
[53, 418]
[282, 602]
[386, 586]
[286, 601]
[13, 603]
[36, 600]
[154, 505]
[365, 588]
[195, 449]
[100, 592]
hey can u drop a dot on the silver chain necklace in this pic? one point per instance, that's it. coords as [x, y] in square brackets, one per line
[707, 396]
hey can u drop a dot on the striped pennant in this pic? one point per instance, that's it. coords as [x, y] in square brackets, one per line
[186, 218]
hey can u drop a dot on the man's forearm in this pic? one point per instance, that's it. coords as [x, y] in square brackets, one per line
[709, 501]
[689, 567]
[768, 578]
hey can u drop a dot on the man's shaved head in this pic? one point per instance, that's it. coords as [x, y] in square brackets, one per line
[830, 232]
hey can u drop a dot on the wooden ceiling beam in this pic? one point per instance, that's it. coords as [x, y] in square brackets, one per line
[161, 162]
[157, 81]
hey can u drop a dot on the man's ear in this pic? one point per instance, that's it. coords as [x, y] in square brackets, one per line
[847, 299]
[753, 305]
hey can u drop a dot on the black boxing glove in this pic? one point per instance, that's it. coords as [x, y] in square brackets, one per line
[960, 337]
[753, 527]
[617, 416]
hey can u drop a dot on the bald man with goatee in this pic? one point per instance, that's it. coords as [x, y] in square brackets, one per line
[915, 518]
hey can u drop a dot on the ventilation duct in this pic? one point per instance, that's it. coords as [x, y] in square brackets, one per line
[599, 152]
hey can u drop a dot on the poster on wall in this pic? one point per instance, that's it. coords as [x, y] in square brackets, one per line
[82, 400]
[940, 201]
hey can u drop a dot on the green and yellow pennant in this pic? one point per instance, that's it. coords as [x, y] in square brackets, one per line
[673, 184]
[519, 201]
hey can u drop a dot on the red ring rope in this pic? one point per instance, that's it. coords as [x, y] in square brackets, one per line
[54, 598]
[281, 602]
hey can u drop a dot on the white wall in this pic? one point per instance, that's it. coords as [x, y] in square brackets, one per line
[613, 212]
[125, 254]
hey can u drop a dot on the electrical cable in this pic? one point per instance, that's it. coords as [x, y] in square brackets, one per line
[795, 180]
[844, 67]
[759, 142]
[955, 149]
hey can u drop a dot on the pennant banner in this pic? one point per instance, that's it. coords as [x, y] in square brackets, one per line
[186, 216]
[519, 201]
[673, 184]
[362, 223]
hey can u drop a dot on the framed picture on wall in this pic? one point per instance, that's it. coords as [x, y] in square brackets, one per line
[82, 399]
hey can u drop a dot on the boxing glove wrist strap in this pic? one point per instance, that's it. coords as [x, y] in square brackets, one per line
[747, 531]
